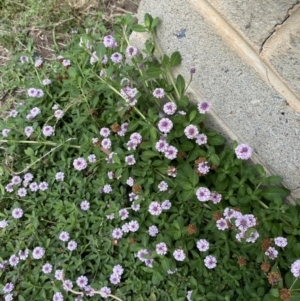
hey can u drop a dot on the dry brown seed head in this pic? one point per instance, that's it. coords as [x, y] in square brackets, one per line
[115, 127]
[273, 278]
[181, 155]
[265, 267]
[191, 229]
[136, 188]
[242, 261]
[266, 244]
[217, 215]
[200, 160]
[285, 294]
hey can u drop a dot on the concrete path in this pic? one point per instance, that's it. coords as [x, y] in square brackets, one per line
[247, 57]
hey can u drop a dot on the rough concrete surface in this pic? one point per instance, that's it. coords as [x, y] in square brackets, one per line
[283, 51]
[251, 109]
[256, 20]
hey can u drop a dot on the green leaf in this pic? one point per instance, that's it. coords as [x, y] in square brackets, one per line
[139, 28]
[153, 134]
[100, 50]
[183, 101]
[187, 195]
[274, 292]
[116, 159]
[72, 72]
[148, 20]
[194, 178]
[154, 71]
[192, 115]
[270, 193]
[273, 180]
[29, 151]
[216, 140]
[214, 159]
[186, 145]
[175, 59]
[180, 84]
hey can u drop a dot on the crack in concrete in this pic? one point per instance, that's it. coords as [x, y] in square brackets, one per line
[288, 15]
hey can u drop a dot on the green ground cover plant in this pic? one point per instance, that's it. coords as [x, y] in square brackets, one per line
[112, 186]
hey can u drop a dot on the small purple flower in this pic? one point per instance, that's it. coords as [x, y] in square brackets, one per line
[107, 188]
[222, 224]
[46, 82]
[170, 108]
[92, 158]
[203, 107]
[117, 233]
[295, 268]
[280, 241]
[171, 152]
[106, 143]
[133, 226]
[105, 292]
[203, 168]
[210, 261]
[242, 223]
[215, 197]
[23, 254]
[72, 245]
[39, 93]
[203, 194]
[48, 130]
[58, 114]
[104, 132]
[118, 270]
[155, 208]
[135, 207]
[189, 295]
[9, 187]
[165, 125]
[166, 205]
[130, 160]
[136, 137]
[79, 163]
[17, 213]
[163, 186]
[8, 287]
[58, 274]
[47, 268]
[116, 57]
[130, 182]
[24, 59]
[94, 58]
[82, 281]
[272, 253]
[115, 279]
[59, 176]
[143, 254]
[109, 41]
[123, 213]
[13, 113]
[202, 245]
[3, 224]
[38, 63]
[8, 297]
[253, 237]
[38, 252]
[28, 130]
[131, 51]
[161, 145]
[179, 255]
[43, 186]
[191, 131]
[161, 248]
[13, 260]
[34, 187]
[85, 205]
[66, 63]
[32, 92]
[67, 285]
[243, 151]
[16, 180]
[153, 231]
[55, 107]
[22, 192]
[58, 297]
[159, 93]
[28, 177]
[64, 236]
[193, 70]
[5, 132]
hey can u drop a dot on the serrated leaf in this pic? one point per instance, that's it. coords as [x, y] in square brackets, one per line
[175, 59]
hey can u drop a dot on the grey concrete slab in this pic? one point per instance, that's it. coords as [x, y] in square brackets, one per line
[283, 51]
[255, 19]
[251, 109]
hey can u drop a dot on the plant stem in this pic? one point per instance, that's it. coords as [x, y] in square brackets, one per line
[293, 283]
[38, 142]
